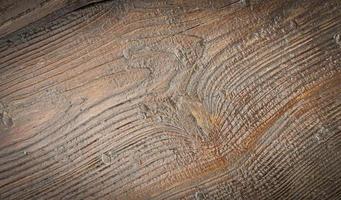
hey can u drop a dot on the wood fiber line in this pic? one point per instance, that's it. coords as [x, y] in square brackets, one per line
[194, 99]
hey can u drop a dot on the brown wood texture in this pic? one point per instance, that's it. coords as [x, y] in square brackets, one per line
[170, 99]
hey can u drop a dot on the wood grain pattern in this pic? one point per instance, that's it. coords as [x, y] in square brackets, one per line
[175, 99]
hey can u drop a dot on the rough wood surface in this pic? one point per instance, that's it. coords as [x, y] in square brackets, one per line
[170, 99]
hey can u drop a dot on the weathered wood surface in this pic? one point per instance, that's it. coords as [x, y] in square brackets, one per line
[170, 99]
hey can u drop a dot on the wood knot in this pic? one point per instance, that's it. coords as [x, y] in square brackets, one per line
[337, 38]
[6, 120]
[245, 3]
[199, 195]
[106, 158]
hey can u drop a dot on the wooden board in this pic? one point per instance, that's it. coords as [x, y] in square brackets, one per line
[174, 99]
